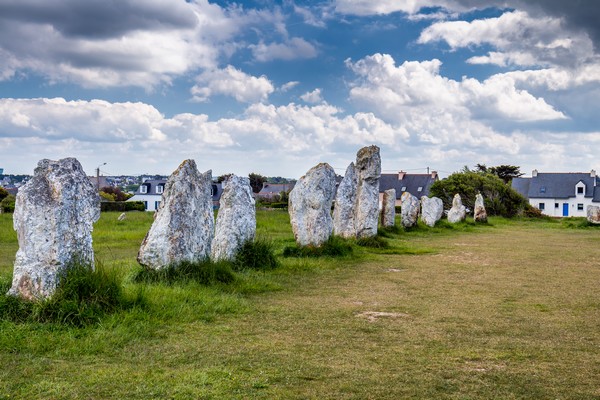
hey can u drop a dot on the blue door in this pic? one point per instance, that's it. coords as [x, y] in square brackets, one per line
[565, 209]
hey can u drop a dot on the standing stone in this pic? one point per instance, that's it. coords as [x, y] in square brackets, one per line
[310, 206]
[410, 210]
[54, 216]
[368, 170]
[345, 201]
[593, 214]
[236, 222]
[388, 208]
[458, 212]
[479, 213]
[432, 210]
[183, 226]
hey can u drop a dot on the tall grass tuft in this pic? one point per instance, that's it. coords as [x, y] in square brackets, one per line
[204, 272]
[256, 254]
[334, 247]
[376, 242]
[83, 297]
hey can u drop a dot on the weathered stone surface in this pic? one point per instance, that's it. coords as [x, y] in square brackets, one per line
[183, 227]
[236, 221]
[54, 216]
[345, 203]
[368, 170]
[410, 210]
[479, 213]
[388, 208]
[593, 214]
[310, 206]
[432, 210]
[458, 212]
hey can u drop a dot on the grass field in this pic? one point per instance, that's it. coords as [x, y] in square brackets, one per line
[508, 310]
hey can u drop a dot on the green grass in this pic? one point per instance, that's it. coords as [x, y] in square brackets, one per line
[506, 310]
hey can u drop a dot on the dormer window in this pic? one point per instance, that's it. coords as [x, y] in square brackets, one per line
[160, 188]
[543, 189]
[144, 189]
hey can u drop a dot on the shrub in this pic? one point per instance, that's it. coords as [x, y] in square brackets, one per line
[499, 198]
[204, 272]
[256, 254]
[533, 212]
[122, 206]
[376, 242]
[7, 205]
[82, 298]
[334, 247]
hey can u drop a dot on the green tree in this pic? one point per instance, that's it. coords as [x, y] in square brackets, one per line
[7, 204]
[499, 198]
[3, 193]
[114, 193]
[221, 178]
[504, 171]
[256, 181]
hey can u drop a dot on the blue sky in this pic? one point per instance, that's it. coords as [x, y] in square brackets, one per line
[276, 87]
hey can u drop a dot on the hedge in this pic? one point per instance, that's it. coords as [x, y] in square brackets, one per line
[122, 206]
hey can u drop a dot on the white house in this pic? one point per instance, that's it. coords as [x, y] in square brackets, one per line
[150, 193]
[560, 194]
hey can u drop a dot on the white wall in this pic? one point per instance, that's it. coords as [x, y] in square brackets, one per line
[553, 211]
[149, 199]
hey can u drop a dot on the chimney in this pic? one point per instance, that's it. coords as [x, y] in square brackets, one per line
[593, 173]
[434, 175]
[401, 175]
[534, 173]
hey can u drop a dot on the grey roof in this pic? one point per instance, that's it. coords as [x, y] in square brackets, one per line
[521, 186]
[151, 184]
[275, 188]
[410, 183]
[557, 185]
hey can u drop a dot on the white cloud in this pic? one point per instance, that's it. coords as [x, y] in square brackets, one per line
[133, 136]
[232, 82]
[312, 97]
[288, 86]
[372, 7]
[292, 49]
[395, 92]
[520, 39]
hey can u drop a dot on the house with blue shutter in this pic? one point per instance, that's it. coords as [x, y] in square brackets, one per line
[560, 194]
[150, 193]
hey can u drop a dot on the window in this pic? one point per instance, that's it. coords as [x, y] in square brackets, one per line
[580, 207]
[403, 189]
[156, 204]
[146, 205]
[160, 188]
[420, 189]
[542, 206]
[579, 191]
[556, 205]
[143, 189]
[542, 189]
